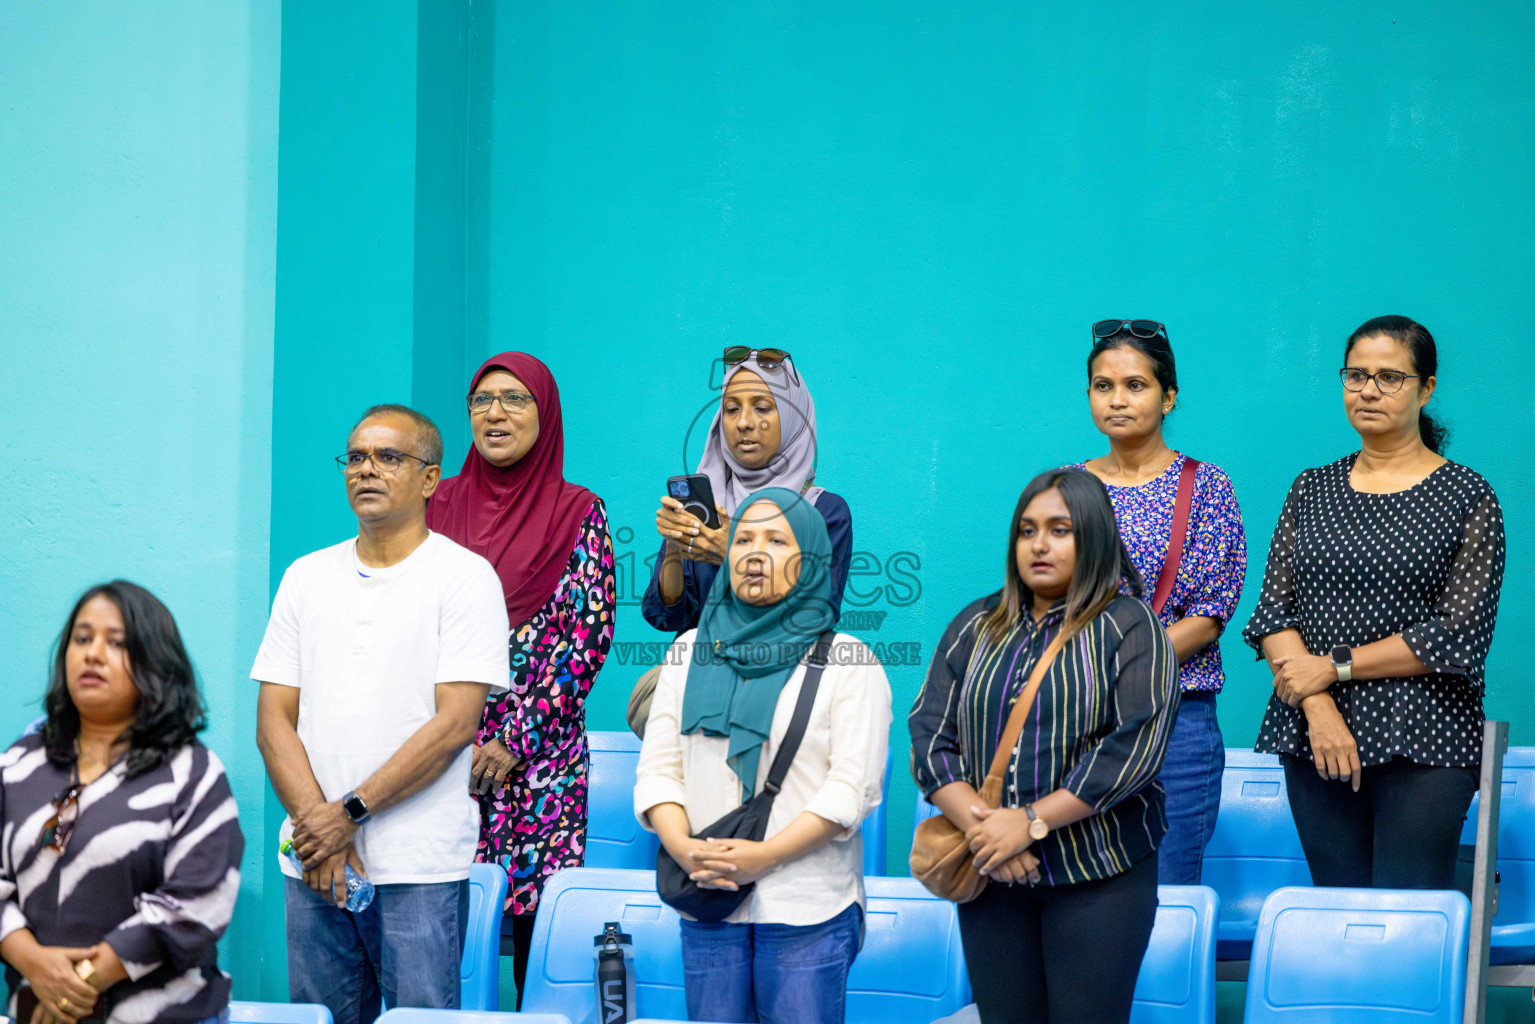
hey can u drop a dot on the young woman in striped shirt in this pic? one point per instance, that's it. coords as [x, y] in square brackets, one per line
[1082, 811]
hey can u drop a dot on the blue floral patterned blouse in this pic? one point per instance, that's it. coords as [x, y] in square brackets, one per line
[1214, 555]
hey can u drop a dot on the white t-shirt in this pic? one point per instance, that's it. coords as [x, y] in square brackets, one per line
[367, 648]
[837, 773]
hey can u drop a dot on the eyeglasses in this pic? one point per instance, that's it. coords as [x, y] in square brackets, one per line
[767, 358]
[66, 811]
[1387, 382]
[1140, 328]
[385, 460]
[512, 402]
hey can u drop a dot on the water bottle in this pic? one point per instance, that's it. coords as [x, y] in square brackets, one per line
[615, 975]
[359, 891]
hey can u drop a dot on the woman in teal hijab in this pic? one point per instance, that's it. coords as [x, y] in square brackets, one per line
[722, 705]
[745, 649]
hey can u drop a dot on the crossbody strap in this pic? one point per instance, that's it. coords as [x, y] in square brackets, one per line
[1182, 508]
[819, 655]
[1021, 706]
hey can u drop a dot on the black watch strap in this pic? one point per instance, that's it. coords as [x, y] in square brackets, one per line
[355, 807]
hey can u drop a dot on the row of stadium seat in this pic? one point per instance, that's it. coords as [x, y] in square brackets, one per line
[1253, 857]
[1254, 850]
[1392, 957]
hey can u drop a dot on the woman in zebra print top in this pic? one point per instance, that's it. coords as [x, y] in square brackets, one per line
[120, 857]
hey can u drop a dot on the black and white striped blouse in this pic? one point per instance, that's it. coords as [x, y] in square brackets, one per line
[152, 867]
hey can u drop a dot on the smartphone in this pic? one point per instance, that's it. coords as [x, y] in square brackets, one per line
[697, 497]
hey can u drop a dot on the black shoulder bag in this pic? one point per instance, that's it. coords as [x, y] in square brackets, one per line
[750, 820]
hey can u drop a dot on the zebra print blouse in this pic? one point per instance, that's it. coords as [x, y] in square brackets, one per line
[152, 867]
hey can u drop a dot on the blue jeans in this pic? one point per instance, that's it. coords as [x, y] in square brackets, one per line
[1191, 775]
[404, 949]
[770, 973]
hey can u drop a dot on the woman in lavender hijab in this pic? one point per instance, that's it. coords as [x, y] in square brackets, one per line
[763, 435]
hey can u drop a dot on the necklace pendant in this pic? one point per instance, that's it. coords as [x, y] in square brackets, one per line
[716, 647]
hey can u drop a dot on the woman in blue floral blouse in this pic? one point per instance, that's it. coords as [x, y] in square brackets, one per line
[1132, 386]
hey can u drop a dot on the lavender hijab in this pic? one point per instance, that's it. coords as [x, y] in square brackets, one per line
[792, 466]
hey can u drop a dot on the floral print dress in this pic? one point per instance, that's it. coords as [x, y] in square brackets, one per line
[535, 823]
[1214, 562]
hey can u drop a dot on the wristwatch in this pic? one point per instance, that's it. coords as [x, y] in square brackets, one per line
[355, 807]
[86, 972]
[1343, 662]
[1038, 827]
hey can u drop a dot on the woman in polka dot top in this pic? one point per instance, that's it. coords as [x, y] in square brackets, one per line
[1377, 612]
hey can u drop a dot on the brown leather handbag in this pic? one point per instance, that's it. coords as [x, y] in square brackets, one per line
[940, 855]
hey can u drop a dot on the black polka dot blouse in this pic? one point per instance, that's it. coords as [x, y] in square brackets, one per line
[1351, 568]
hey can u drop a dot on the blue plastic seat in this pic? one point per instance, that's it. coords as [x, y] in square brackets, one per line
[1254, 849]
[276, 1013]
[874, 839]
[614, 838]
[479, 970]
[574, 906]
[910, 971]
[1177, 980]
[1513, 928]
[414, 1016]
[1359, 956]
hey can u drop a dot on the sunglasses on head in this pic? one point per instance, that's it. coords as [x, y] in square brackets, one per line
[767, 358]
[1140, 328]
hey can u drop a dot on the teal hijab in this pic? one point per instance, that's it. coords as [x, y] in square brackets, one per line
[744, 654]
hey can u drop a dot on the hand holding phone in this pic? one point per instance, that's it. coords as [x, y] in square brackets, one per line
[695, 527]
[697, 497]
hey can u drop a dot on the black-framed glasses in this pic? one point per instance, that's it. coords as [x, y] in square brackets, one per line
[385, 460]
[66, 811]
[1140, 328]
[1387, 382]
[512, 402]
[767, 358]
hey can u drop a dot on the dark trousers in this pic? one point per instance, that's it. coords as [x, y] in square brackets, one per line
[522, 949]
[1400, 831]
[1063, 954]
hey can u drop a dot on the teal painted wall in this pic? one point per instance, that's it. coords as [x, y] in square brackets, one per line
[372, 262]
[138, 175]
[928, 205]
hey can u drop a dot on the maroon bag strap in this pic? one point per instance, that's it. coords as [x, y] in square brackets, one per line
[1182, 507]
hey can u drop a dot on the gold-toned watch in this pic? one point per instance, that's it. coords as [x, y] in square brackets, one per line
[1038, 827]
[86, 972]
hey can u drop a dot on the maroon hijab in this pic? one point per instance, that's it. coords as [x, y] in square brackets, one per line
[523, 519]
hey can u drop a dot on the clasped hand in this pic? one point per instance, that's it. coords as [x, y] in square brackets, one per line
[1298, 676]
[329, 878]
[726, 863]
[320, 831]
[999, 842]
[63, 997]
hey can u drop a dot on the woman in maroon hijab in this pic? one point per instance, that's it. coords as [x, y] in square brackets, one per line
[548, 540]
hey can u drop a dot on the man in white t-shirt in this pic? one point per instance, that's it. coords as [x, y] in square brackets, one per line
[376, 664]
